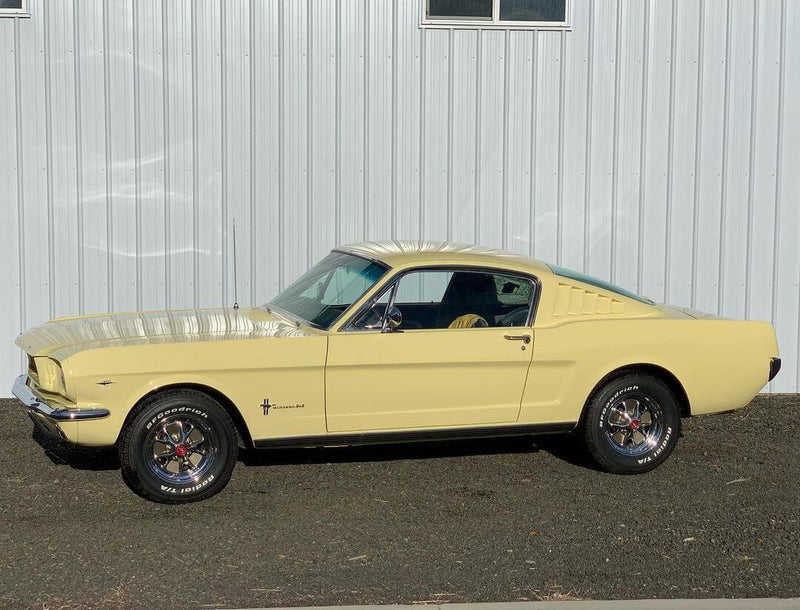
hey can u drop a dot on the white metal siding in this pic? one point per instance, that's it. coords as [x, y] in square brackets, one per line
[657, 144]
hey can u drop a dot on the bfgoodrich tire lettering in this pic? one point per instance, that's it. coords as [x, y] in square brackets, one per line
[178, 446]
[632, 424]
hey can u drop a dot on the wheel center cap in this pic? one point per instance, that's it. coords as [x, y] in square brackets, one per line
[635, 424]
[181, 450]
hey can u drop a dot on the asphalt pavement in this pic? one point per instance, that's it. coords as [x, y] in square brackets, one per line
[490, 520]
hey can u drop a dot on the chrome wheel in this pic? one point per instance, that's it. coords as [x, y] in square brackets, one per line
[633, 425]
[181, 449]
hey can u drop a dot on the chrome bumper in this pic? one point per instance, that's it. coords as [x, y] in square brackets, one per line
[37, 405]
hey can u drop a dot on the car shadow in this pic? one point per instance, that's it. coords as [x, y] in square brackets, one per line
[62, 453]
[565, 447]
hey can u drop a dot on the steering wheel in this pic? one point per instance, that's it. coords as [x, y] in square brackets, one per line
[517, 317]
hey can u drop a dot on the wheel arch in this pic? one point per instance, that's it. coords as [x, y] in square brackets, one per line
[655, 370]
[238, 421]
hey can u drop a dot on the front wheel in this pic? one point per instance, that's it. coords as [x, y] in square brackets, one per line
[632, 424]
[179, 446]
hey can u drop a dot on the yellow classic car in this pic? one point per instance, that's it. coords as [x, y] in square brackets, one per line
[390, 342]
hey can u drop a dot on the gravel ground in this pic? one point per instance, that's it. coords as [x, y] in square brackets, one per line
[495, 520]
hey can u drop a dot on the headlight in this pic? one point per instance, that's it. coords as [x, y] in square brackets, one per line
[51, 376]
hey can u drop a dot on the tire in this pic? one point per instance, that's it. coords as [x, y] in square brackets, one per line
[178, 446]
[632, 424]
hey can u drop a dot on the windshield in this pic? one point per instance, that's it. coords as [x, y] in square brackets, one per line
[325, 291]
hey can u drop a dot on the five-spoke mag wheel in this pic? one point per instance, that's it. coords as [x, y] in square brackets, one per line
[633, 425]
[183, 449]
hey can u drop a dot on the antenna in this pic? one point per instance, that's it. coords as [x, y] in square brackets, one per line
[235, 282]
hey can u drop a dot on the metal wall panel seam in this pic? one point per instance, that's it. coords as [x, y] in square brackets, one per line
[643, 144]
[670, 152]
[724, 183]
[108, 176]
[252, 145]
[21, 271]
[698, 149]
[49, 154]
[615, 145]
[223, 105]
[281, 140]
[751, 161]
[778, 172]
[422, 74]
[365, 229]
[167, 169]
[393, 195]
[560, 197]
[534, 128]
[504, 194]
[450, 75]
[337, 129]
[195, 164]
[309, 136]
[588, 151]
[137, 150]
[478, 61]
[76, 65]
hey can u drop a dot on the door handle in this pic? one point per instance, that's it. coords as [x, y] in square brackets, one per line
[523, 338]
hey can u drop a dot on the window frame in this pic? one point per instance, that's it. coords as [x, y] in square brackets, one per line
[495, 23]
[349, 325]
[23, 11]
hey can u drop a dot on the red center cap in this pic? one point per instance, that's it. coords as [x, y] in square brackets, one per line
[634, 425]
[181, 449]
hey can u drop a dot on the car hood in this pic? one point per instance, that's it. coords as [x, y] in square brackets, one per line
[63, 337]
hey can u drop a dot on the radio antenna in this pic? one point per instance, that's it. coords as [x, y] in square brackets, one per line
[235, 281]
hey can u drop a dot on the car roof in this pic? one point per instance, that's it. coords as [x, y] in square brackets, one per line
[399, 253]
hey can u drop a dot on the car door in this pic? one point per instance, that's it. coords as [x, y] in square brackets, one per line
[459, 358]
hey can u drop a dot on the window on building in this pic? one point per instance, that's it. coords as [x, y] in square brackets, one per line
[496, 13]
[13, 8]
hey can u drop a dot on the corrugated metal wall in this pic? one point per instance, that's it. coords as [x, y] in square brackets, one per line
[657, 144]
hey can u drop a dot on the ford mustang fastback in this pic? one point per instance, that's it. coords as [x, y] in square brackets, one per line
[383, 343]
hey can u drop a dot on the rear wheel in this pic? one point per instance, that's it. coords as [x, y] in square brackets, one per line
[179, 446]
[632, 424]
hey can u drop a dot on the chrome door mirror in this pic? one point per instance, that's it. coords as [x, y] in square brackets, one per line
[392, 320]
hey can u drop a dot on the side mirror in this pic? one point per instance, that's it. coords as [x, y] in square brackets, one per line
[392, 320]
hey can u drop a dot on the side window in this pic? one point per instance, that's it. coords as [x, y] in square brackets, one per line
[513, 291]
[455, 299]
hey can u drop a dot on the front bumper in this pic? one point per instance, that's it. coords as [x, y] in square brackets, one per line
[37, 405]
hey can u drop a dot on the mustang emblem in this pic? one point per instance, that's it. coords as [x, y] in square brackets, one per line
[267, 405]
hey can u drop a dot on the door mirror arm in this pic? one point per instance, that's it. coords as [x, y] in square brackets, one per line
[393, 318]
